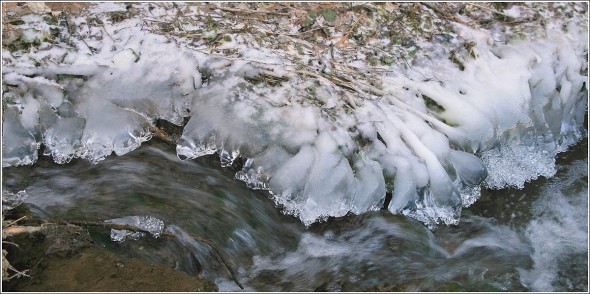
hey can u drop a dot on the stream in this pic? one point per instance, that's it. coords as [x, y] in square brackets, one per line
[531, 239]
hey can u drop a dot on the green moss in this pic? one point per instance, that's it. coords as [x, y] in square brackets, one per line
[500, 17]
[371, 60]
[329, 15]
[311, 90]
[17, 22]
[432, 105]
[31, 36]
[55, 32]
[450, 123]
[50, 19]
[455, 59]
[454, 287]
[118, 16]
[500, 6]
[63, 77]
[386, 60]
[166, 27]
[299, 48]
[211, 23]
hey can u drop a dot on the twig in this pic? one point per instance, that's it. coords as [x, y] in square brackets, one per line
[52, 70]
[490, 9]
[164, 136]
[443, 14]
[228, 9]
[11, 243]
[108, 34]
[13, 222]
[331, 80]
[291, 35]
[312, 74]
[73, 28]
[105, 225]
[229, 268]
[344, 84]
[17, 274]
[228, 16]
[353, 25]
[178, 9]
[370, 89]
[231, 58]
[272, 74]
[155, 20]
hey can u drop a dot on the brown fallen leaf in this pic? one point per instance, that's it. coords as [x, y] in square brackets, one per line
[342, 42]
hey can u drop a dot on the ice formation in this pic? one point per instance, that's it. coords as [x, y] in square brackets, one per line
[142, 224]
[431, 136]
[11, 200]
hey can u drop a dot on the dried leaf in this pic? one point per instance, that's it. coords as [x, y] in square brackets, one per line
[243, 6]
[342, 42]
[269, 7]
[38, 7]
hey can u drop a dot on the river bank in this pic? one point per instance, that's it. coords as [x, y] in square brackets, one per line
[68, 258]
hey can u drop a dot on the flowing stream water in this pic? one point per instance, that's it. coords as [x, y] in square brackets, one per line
[531, 239]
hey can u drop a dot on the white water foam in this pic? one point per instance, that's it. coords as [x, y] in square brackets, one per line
[559, 231]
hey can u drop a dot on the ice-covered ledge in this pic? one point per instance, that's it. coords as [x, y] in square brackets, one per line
[323, 145]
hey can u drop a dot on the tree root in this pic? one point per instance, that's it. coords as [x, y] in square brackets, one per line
[6, 267]
[9, 230]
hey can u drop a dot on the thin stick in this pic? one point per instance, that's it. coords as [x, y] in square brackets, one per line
[228, 9]
[344, 84]
[14, 222]
[73, 28]
[443, 14]
[229, 268]
[490, 9]
[11, 243]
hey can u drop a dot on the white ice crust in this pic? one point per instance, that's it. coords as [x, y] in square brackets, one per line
[321, 151]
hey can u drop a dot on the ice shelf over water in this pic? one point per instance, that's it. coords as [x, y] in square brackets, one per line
[431, 136]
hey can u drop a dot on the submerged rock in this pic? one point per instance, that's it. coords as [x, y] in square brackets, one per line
[64, 258]
[97, 270]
